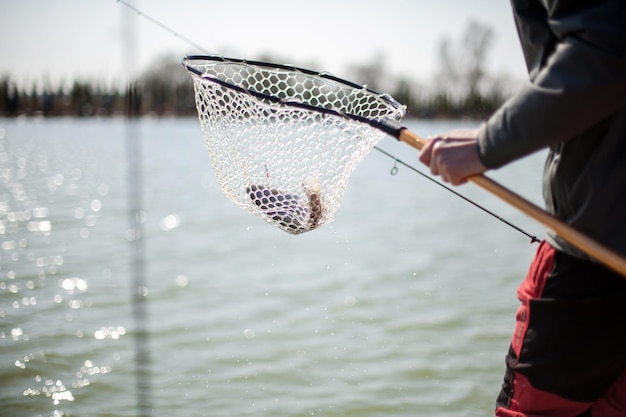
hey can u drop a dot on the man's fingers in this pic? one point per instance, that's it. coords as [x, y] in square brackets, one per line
[426, 152]
[452, 156]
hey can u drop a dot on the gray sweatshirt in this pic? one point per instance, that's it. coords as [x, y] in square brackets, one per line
[575, 104]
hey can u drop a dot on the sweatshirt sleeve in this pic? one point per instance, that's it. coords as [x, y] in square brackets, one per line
[580, 84]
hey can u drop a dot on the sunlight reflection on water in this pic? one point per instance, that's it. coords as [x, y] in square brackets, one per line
[383, 312]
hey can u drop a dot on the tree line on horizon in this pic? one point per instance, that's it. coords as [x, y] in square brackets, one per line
[460, 88]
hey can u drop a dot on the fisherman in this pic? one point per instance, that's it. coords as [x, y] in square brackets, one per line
[567, 356]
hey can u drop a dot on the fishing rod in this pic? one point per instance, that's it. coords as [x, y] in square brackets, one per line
[164, 27]
[394, 170]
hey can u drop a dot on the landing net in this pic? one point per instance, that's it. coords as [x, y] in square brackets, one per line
[282, 140]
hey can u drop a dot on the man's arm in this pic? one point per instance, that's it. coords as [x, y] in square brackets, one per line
[580, 82]
[580, 85]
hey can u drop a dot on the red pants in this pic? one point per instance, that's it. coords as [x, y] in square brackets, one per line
[568, 352]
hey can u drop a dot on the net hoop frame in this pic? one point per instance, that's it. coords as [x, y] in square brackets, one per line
[388, 126]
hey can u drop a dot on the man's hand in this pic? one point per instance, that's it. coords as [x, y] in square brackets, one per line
[453, 156]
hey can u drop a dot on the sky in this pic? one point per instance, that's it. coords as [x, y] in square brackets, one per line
[101, 40]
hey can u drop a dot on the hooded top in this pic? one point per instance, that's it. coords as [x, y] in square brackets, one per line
[575, 104]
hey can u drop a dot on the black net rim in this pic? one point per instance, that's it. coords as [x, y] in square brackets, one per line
[390, 126]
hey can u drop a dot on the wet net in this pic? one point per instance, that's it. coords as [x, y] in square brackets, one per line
[282, 140]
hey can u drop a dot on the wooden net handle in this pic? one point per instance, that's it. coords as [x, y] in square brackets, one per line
[581, 241]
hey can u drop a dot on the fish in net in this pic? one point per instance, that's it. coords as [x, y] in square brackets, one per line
[282, 140]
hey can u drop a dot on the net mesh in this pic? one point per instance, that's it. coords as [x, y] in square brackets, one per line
[278, 139]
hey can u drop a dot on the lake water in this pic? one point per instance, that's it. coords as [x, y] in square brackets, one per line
[403, 306]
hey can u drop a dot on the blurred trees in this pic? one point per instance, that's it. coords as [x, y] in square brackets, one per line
[462, 87]
[164, 90]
